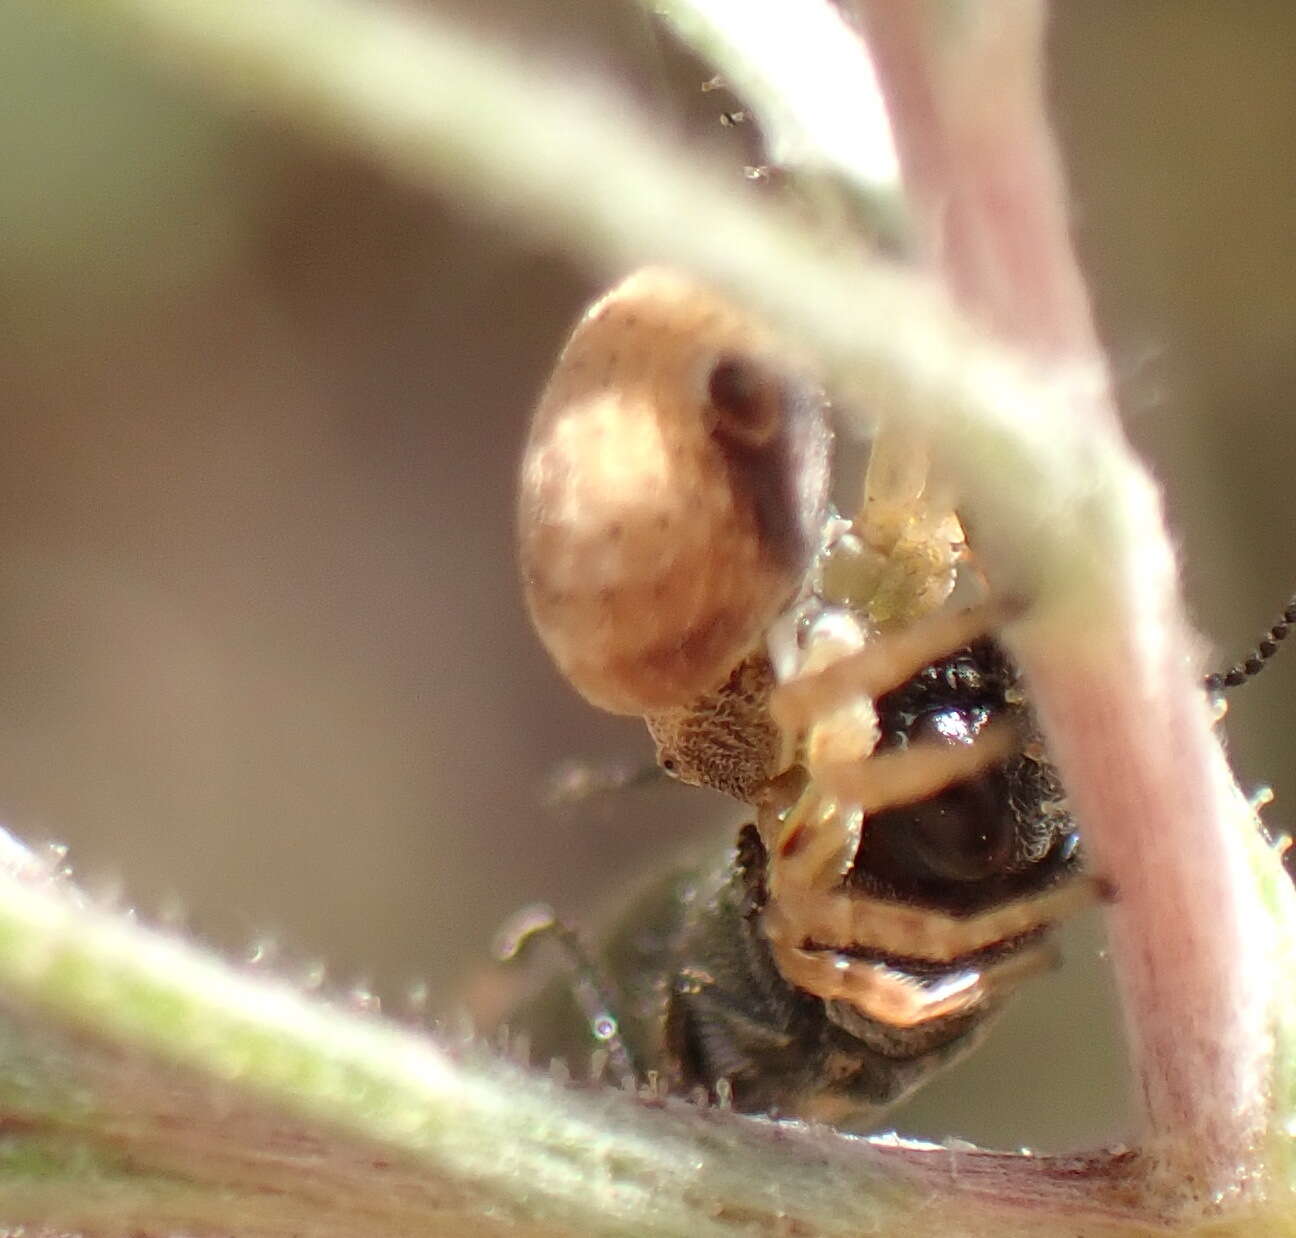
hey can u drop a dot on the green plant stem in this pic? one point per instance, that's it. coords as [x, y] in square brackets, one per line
[433, 106]
[811, 84]
[187, 1094]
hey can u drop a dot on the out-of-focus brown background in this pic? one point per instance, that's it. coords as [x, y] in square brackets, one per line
[262, 648]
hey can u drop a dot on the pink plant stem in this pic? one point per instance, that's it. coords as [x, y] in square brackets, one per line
[965, 88]
[1123, 709]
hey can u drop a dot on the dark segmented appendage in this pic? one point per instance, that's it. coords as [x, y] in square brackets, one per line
[1256, 661]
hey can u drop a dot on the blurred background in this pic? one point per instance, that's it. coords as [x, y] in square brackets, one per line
[262, 652]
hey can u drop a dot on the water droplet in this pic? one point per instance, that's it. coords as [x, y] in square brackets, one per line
[361, 998]
[262, 951]
[604, 1027]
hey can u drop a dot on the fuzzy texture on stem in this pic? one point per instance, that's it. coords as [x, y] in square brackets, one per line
[1124, 710]
[152, 1088]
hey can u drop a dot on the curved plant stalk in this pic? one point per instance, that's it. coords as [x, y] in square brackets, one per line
[1163, 819]
[149, 1088]
[178, 1094]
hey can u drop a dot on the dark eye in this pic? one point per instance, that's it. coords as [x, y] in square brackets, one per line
[962, 835]
[746, 401]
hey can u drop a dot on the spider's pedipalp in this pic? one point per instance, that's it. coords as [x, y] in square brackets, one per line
[879, 666]
[912, 774]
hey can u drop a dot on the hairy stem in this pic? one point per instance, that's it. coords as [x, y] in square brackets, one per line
[1124, 709]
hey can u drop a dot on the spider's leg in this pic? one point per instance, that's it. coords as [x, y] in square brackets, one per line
[878, 665]
[901, 999]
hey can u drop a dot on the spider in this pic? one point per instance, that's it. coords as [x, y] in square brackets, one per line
[910, 846]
